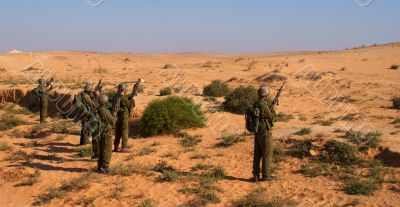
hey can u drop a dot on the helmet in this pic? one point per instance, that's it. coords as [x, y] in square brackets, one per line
[121, 86]
[103, 99]
[41, 81]
[89, 87]
[263, 91]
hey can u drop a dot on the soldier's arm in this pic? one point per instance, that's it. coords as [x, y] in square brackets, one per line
[270, 114]
[109, 118]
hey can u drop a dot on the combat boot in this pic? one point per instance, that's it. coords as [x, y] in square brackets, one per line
[268, 178]
[256, 178]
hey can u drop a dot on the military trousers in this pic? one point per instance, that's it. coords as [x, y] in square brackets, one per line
[105, 149]
[263, 150]
[121, 130]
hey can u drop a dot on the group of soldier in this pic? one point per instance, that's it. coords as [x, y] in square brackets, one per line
[99, 117]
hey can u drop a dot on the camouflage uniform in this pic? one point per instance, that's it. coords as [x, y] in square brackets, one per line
[263, 147]
[88, 123]
[105, 141]
[43, 93]
[122, 125]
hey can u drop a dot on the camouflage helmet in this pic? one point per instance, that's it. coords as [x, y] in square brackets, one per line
[41, 81]
[89, 87]
[263, 91]
[121, 86]
[103, 99]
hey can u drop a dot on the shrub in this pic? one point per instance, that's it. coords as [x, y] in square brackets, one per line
[394, 67]
[85, 151]
[205, 191]
[169, 176]
[216, 89]
[302, 149]
[201, 166]
[127, 169]
[229, 140]
[357, 186]
[188, 140]
[311, 171]
[4, 146]
[170, 115]
[240, 99]
[339, 153]
[303, 131]
[364, 140]
[396, 102]
[166, 91]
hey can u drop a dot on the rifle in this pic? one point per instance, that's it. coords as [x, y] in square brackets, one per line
[136, 87]
[50, 80]
[276, 99]
[116, 102]
[99, 86]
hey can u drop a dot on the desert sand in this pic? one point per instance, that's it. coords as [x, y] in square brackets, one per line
[359, 74]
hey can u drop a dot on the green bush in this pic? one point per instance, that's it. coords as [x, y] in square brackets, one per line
[357, 186]
[170, 115]
[396, 102]
[240, 99]
[166, 91]
[339, 153]
[216, 89]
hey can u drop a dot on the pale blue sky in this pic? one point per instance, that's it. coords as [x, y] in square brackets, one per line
[231, 26]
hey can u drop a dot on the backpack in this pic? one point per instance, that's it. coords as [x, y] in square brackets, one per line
[78, 104]
[36, 94]
[252, 117]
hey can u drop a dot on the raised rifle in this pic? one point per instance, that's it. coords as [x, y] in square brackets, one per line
[99, 86]
[136, 87]
[276, 99]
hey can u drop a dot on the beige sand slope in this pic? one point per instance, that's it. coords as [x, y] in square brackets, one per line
[360, 75]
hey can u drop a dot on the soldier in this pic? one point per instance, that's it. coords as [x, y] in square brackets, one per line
[263, 137]
[89, 107]
[123, 106]
[42, 93]
[105, 138]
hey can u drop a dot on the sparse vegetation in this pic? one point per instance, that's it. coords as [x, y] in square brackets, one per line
[240, 99]
[259, 198]
[84, 151]
[5, 146]
[64, 127]
[365, 141]
[146, 151]
[168, 66]
[216, 89]
[302, 148]
[128, 169]
[188, 140]
[303, 131]
[166, 91]
[35, 178]
[10, 121]
[100, 70]
[18, 155]
[205, 191]
[229, 140]
[76, 184]
[356, 186]
[282, 117]
[201, 166]
[170, 115]
[394, 67]
[325, 122]
[396, 102]
[147, 203]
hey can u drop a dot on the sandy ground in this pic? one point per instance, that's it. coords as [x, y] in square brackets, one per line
[361, 74]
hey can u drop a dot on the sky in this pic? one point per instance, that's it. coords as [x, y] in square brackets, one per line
[222, 26]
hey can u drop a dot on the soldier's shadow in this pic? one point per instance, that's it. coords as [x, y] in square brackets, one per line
[46, 167]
